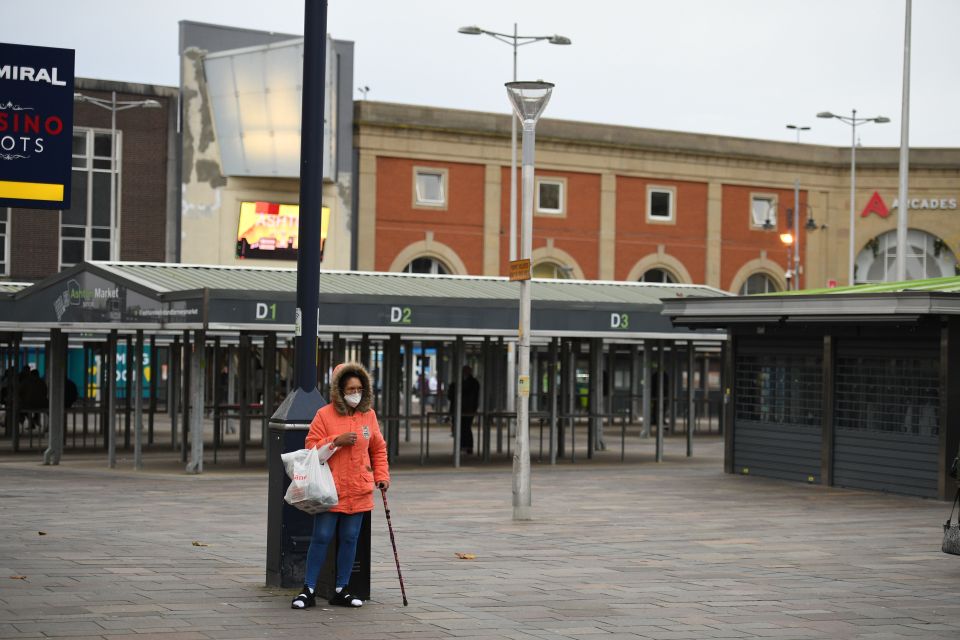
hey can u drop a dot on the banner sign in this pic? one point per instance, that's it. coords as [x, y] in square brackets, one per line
[36, 126]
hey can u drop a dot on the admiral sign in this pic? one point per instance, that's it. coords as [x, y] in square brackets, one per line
[36, 126]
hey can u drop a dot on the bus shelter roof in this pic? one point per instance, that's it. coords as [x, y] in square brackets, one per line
[166, 297]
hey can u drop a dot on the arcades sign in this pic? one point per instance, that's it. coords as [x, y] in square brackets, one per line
[876, 205]
[36, 126]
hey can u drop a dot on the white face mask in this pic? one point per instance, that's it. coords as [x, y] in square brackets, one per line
[353, 399]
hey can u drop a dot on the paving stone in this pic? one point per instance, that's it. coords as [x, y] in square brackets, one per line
[640, 550]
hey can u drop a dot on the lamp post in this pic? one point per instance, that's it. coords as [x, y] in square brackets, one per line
[529, 100]
[798, 129]
[853, 121]
[796, 213]
[515, 41]
[788, 239]
[113, 106]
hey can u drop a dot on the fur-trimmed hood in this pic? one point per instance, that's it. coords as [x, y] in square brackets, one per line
[336, 398]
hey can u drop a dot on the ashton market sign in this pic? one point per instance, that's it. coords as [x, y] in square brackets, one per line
[36, 126]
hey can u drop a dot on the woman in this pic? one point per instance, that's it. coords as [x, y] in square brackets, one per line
[348, 426]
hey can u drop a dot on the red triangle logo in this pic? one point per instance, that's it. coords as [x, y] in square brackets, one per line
[877, 206]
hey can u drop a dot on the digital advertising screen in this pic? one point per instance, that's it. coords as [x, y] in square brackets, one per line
[269, 230]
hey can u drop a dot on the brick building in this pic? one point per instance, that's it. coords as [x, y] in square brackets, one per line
[621, 203]
[36, 243]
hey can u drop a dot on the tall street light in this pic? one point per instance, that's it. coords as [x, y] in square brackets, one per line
[796, 214]
[788, 240]
[529, 100]
[853, 121]
[113, 106]
[515, 41]
[798, 129]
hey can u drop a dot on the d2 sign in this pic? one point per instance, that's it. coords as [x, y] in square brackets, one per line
[400, 315]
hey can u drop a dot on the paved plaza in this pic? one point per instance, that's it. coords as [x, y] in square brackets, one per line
[675, 550]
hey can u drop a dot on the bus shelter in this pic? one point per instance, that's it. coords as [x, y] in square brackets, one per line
[213, 345]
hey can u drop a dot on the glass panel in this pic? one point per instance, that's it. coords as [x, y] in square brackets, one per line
[72, 232]
[763, 210]
[549, 196]
[101, 145]
[430, 188]
[77, 213]
[101, 199]
[657, 275]
[79, 163]
[426, 265]
[544, 270]
[101, 164]
[101, 233]
[79, 144]
[100, 250]
[72, 252]
[660, 204]
[758, 283]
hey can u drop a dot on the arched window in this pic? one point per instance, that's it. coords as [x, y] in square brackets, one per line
[426, 265]
[658, 275]
[758, 283]
[552, 270]
[927, 257]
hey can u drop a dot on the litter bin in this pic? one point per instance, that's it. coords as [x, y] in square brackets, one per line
[289, 529]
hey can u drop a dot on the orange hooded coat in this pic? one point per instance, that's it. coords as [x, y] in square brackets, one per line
[355, 468]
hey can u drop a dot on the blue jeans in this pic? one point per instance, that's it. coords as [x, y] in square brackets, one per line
[347, 526]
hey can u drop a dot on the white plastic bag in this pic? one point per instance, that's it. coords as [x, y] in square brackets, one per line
[311, 484]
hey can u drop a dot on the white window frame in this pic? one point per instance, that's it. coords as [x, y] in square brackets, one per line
[774, 205]
[87, 171]
[672, 217]
[5, 241]
[561, 184]
[423, 203]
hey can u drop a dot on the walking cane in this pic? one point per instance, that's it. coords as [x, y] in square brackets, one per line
[396, 558]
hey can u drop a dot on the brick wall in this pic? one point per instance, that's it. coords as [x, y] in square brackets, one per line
[685, 238]
[743, 242]
[577, 232]
[34, 243]
[399, 223]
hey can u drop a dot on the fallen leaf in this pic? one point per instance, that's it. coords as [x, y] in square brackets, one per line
[466, 556]
[18, 577]
[199, 544]
[41, 533]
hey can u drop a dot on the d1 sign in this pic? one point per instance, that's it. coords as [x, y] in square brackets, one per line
[36, 126]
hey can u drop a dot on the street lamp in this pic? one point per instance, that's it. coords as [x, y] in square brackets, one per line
[798, 129]
[853, 121]
[515, 41]
[787, 240]
[113, 106]
[529, 100]
[796, 211]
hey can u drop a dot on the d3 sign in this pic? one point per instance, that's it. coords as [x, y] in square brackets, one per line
[619, 320]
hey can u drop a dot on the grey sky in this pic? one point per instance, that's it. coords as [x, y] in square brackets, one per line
[731, 67]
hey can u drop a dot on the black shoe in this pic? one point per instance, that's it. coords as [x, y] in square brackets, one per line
[344, 599]
[305, 599]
